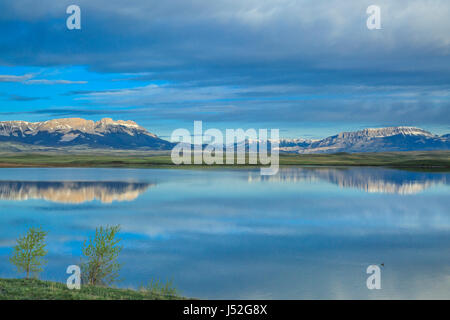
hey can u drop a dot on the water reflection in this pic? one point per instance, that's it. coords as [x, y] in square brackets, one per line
[371, 180]
[305, 233]
[74, 192]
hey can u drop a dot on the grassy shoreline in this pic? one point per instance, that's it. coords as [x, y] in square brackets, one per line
[33, 289]
[421, 160]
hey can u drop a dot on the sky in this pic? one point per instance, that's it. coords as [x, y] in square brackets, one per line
[308, 68]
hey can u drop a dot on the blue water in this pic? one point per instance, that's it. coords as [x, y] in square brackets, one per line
[306, 233]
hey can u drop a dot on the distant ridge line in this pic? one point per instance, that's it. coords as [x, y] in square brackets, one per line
[128, 135]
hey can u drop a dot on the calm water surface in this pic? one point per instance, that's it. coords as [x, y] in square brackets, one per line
[304, 233]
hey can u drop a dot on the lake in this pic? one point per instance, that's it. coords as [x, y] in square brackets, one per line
[305, 233]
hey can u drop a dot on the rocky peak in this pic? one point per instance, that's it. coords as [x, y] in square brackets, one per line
[68, 124]
[110, 122]
[384, 132]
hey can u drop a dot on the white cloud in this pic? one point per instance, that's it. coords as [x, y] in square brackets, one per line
[14, 78]
[28, 79]
[46, 81]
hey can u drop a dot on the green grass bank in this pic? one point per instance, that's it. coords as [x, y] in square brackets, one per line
[32, 289]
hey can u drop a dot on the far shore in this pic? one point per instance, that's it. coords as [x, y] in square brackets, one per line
[423, 160]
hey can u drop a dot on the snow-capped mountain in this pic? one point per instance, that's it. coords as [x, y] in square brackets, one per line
[110, 134]
[373, 140]
[366, 140]
[105, 133]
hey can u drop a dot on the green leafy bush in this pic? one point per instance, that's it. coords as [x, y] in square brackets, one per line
[157, 287]
[99, 266]
[28, 255]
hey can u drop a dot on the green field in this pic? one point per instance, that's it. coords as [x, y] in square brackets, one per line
[32, 289]
[424, 160]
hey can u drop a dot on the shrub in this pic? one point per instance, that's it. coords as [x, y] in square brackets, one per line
[28, 255]
[100, 265]
[156, 286]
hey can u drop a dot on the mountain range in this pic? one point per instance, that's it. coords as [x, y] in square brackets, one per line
[371, 140]
[128, 135]
[104, 134]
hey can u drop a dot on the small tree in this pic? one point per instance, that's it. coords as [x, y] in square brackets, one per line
[28, 255]
[100, 265]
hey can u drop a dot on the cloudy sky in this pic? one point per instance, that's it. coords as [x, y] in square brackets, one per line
[309, 68]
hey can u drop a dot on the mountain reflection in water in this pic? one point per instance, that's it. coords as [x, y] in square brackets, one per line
[371, 180]
[74, 192]
[306, 233]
